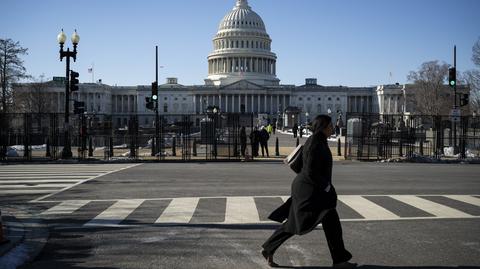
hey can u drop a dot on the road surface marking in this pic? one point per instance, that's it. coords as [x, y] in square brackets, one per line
[115, 213]
[465, 198]
[25, 191]
[83, 181]
[66, 207]
[428, 206]
[17, 186]
[241, 210]
[367, 208]
[180, 210]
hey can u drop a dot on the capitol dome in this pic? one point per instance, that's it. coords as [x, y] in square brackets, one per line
[242, 49]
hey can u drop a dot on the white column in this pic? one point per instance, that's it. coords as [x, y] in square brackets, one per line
[246, 103]
[195, 104]
[271, 104]
[226, 103]
[265, 103]
[239, 103]
[220, 102]
[252, 103]
[258, 103]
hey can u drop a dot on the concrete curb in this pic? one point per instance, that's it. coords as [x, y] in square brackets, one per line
[28, 235]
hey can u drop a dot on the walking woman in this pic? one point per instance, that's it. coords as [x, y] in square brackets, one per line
[313, 200]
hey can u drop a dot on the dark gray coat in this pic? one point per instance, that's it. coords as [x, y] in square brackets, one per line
[309, 201]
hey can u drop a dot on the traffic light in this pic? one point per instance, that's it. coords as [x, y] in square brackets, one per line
[78, 107]
[155, 91]
[464, 99]
[452, 76]
[73, 81]
[149, 103]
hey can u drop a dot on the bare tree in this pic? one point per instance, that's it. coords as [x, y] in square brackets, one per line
[429, 96]
[33, 97]
[11, 69]
[473, 78]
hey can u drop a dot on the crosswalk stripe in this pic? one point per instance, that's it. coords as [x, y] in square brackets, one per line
[284, 198]
[241, 210]
[116, 213]
[66, 207]
[17, 186]
[47, 172]
[26, 191]
[367, 208]
[43, 176]
[465, 198]
[428, 206]
[180, 210]
[5, 182]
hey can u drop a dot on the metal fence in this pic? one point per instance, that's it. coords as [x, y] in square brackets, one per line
[376, 137]
[213, 136]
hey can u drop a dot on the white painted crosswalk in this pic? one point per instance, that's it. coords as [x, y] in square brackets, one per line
[246, 210]
[48, 179]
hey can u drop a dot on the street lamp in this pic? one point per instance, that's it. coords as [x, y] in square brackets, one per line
[61, 38]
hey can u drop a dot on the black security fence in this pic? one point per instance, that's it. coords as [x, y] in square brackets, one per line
[212, 136]
[377, 137]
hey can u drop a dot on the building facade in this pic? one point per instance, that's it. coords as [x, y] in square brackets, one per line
[241, 79]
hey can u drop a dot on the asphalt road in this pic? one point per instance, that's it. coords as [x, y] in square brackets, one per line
[419, 216]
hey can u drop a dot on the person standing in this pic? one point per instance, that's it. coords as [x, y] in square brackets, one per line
[313, 200]
[254, 140]
[300, 130]
[264, 136]
[295, 130]
[243, 141]
[269, 129]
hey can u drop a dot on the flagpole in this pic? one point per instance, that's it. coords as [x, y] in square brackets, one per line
[93, 72]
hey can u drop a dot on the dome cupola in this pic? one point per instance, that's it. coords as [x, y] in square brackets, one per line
[242, 49]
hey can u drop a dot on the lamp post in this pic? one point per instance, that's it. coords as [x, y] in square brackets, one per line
[61, 38]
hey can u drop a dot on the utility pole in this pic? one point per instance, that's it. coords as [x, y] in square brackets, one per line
[455, 150]
[157, 123]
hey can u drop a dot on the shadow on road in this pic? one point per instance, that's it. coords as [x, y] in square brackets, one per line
[387, 267]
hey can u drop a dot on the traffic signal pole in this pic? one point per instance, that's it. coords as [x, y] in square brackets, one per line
[455, 149]
[157, 127]
[67, 151]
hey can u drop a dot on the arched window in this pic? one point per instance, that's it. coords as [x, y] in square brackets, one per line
[165, 108]
[242, 44]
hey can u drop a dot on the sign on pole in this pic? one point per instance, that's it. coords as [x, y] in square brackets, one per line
[455, 115]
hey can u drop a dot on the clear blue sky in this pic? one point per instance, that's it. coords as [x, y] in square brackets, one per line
[340, 42]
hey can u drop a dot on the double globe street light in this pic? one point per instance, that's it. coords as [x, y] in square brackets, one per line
[61, 38]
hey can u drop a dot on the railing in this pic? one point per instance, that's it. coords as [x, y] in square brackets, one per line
[376, 137]
[25, 136]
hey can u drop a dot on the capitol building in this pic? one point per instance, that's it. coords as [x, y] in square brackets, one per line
[242, 78]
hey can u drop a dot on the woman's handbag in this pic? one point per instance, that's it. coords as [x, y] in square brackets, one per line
[294, 160]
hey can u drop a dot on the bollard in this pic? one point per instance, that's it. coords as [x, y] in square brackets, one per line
[90, 147]
[194, 147]
[339, 148]
[421, 147]
[111, 147]
[48, 153]
[174, 146]
[153, 147]
[298, 142]
[277, 149]
[3, 239]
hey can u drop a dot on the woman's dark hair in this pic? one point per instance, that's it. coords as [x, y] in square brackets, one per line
[320, 123]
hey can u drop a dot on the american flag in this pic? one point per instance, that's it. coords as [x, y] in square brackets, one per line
[90, 70]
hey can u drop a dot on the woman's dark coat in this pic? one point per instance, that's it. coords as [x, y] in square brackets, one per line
[309, 201]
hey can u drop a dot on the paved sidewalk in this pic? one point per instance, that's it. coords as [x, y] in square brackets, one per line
[27, 235]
